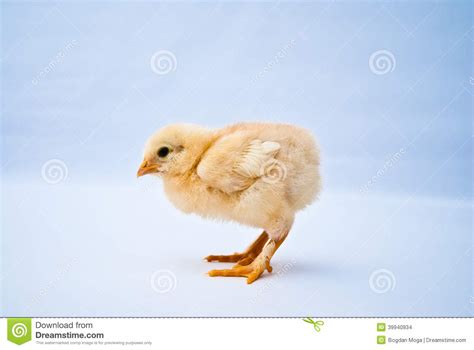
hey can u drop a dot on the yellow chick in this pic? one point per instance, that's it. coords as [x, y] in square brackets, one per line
[257, 174]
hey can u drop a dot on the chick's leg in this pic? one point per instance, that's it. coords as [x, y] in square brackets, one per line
[247, 256]
[255, 269]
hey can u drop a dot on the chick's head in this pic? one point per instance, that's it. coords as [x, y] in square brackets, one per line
[174, 150]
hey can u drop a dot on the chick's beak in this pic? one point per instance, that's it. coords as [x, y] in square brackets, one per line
[147, 168]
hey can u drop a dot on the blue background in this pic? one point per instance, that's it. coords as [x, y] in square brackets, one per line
[77, 85]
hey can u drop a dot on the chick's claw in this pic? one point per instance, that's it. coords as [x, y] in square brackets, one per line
[252, 272]
[239, 271]
[224, 258]
[245, 258]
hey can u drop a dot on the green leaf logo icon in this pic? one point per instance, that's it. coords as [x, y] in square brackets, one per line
[19, 330]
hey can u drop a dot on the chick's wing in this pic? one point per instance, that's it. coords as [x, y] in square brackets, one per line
[235, 161]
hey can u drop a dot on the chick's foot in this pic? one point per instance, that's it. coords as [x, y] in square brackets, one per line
[246, 257]
[254, 269]
[242, 259]
[225, 258]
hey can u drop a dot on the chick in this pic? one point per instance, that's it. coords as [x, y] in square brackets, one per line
[256, 174]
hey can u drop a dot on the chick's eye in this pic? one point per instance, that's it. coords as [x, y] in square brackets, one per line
[163, 152]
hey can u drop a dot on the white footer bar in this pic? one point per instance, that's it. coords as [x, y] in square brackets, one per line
[236, 333]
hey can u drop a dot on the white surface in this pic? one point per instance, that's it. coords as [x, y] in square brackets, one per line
[92, 251]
